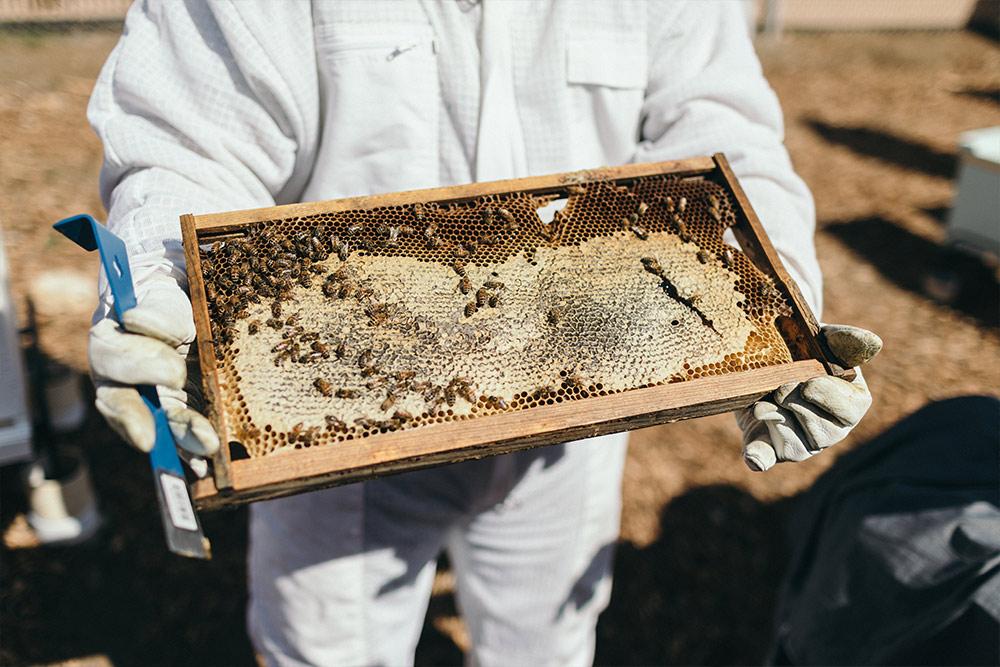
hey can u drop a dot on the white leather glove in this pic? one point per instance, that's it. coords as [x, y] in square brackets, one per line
[151, 347]
[800, 419]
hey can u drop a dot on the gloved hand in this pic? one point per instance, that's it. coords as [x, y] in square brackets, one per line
[800, 419]
[151, 347]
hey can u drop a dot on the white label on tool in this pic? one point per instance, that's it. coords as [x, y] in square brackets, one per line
[178, 503]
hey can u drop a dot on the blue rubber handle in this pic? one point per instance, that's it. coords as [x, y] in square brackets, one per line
[91, 235]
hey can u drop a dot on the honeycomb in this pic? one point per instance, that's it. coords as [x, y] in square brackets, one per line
[346, 324]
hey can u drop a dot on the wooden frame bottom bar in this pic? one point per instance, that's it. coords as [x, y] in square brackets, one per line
[331, 465]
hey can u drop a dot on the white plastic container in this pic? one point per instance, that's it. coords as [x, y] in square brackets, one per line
[15, 422]
[974, 221]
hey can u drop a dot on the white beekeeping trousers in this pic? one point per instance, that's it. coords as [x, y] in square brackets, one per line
[343, 576]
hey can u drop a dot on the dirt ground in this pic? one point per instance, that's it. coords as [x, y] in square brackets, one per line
[872, 125]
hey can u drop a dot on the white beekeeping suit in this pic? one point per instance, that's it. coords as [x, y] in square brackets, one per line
[229, 105]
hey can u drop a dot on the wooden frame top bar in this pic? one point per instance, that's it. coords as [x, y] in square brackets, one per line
[537, 184]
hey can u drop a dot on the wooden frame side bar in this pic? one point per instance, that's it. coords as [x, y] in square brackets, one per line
[206, 350]
[534, 184]
[279, 475]
[749, 231]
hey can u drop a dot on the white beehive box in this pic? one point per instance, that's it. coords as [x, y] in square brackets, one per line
[15, 423]
[974, 222]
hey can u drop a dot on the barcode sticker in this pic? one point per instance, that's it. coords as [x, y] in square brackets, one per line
[178, 503]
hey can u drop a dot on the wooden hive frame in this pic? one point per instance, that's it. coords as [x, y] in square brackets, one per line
[239, 481]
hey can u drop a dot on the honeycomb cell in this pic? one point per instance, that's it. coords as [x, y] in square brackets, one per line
[342, 325]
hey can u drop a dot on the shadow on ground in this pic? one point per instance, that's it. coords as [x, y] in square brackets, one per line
[887, 147]
[908, 260]
[686, 598]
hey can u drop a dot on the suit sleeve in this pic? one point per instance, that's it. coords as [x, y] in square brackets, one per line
[707, 93]
[199, 112]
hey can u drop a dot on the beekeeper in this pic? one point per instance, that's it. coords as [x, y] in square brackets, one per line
[215, 106]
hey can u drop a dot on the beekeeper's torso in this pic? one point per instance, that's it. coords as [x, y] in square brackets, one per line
[419, 94]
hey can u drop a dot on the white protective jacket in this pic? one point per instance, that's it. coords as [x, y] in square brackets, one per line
[227, 105]
[206, 107]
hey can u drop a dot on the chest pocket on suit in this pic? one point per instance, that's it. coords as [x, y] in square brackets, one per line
[606, 77]
[381, 102]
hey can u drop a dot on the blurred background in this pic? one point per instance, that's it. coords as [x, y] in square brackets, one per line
[878, 98]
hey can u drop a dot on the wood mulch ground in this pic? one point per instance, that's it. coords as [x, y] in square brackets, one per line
[872, 125]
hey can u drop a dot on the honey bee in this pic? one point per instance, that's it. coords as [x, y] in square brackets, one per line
[450, 396]
[293, 319]
[576, 190]
[341, 350]
[210, 292]
[346, 290]
[418, 211]
[543, 392]
[640, 232]
[433, 243]
[668, 203]
[365, 359]
[335, 424]
[343, 252]
[494, 301]
[431, 393]
[430, 231]
[353, 229]
[643, 207]
[390, 400]
[555, 315]
[296, 431]
[470, 246]
[377, 313]
[682, 231]
[375, 383]
[713, 201]
[493, 284]
[274, 323]
[459, 251]
[703, 257]
[253, 327]
[652, 265]
[393, 239]
[714, 212]
[344, 392]
[402, 416]
[323, 386]
[403, 376]
[276, 309]
[321, 347]
[507, 216]
[471, 308]
[633, 218]
[727, 257]
[365, 423]
[305, 280]
[482, 296]
[330, 289]
[575, 382]
[488, 239]
[364, 292]
[498, 402]
[458, 266]
[465, 285]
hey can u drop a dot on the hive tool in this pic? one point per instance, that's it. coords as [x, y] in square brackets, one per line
[180, 522]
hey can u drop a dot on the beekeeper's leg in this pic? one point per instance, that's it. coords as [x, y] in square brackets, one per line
[534, 571]
[343, 576]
